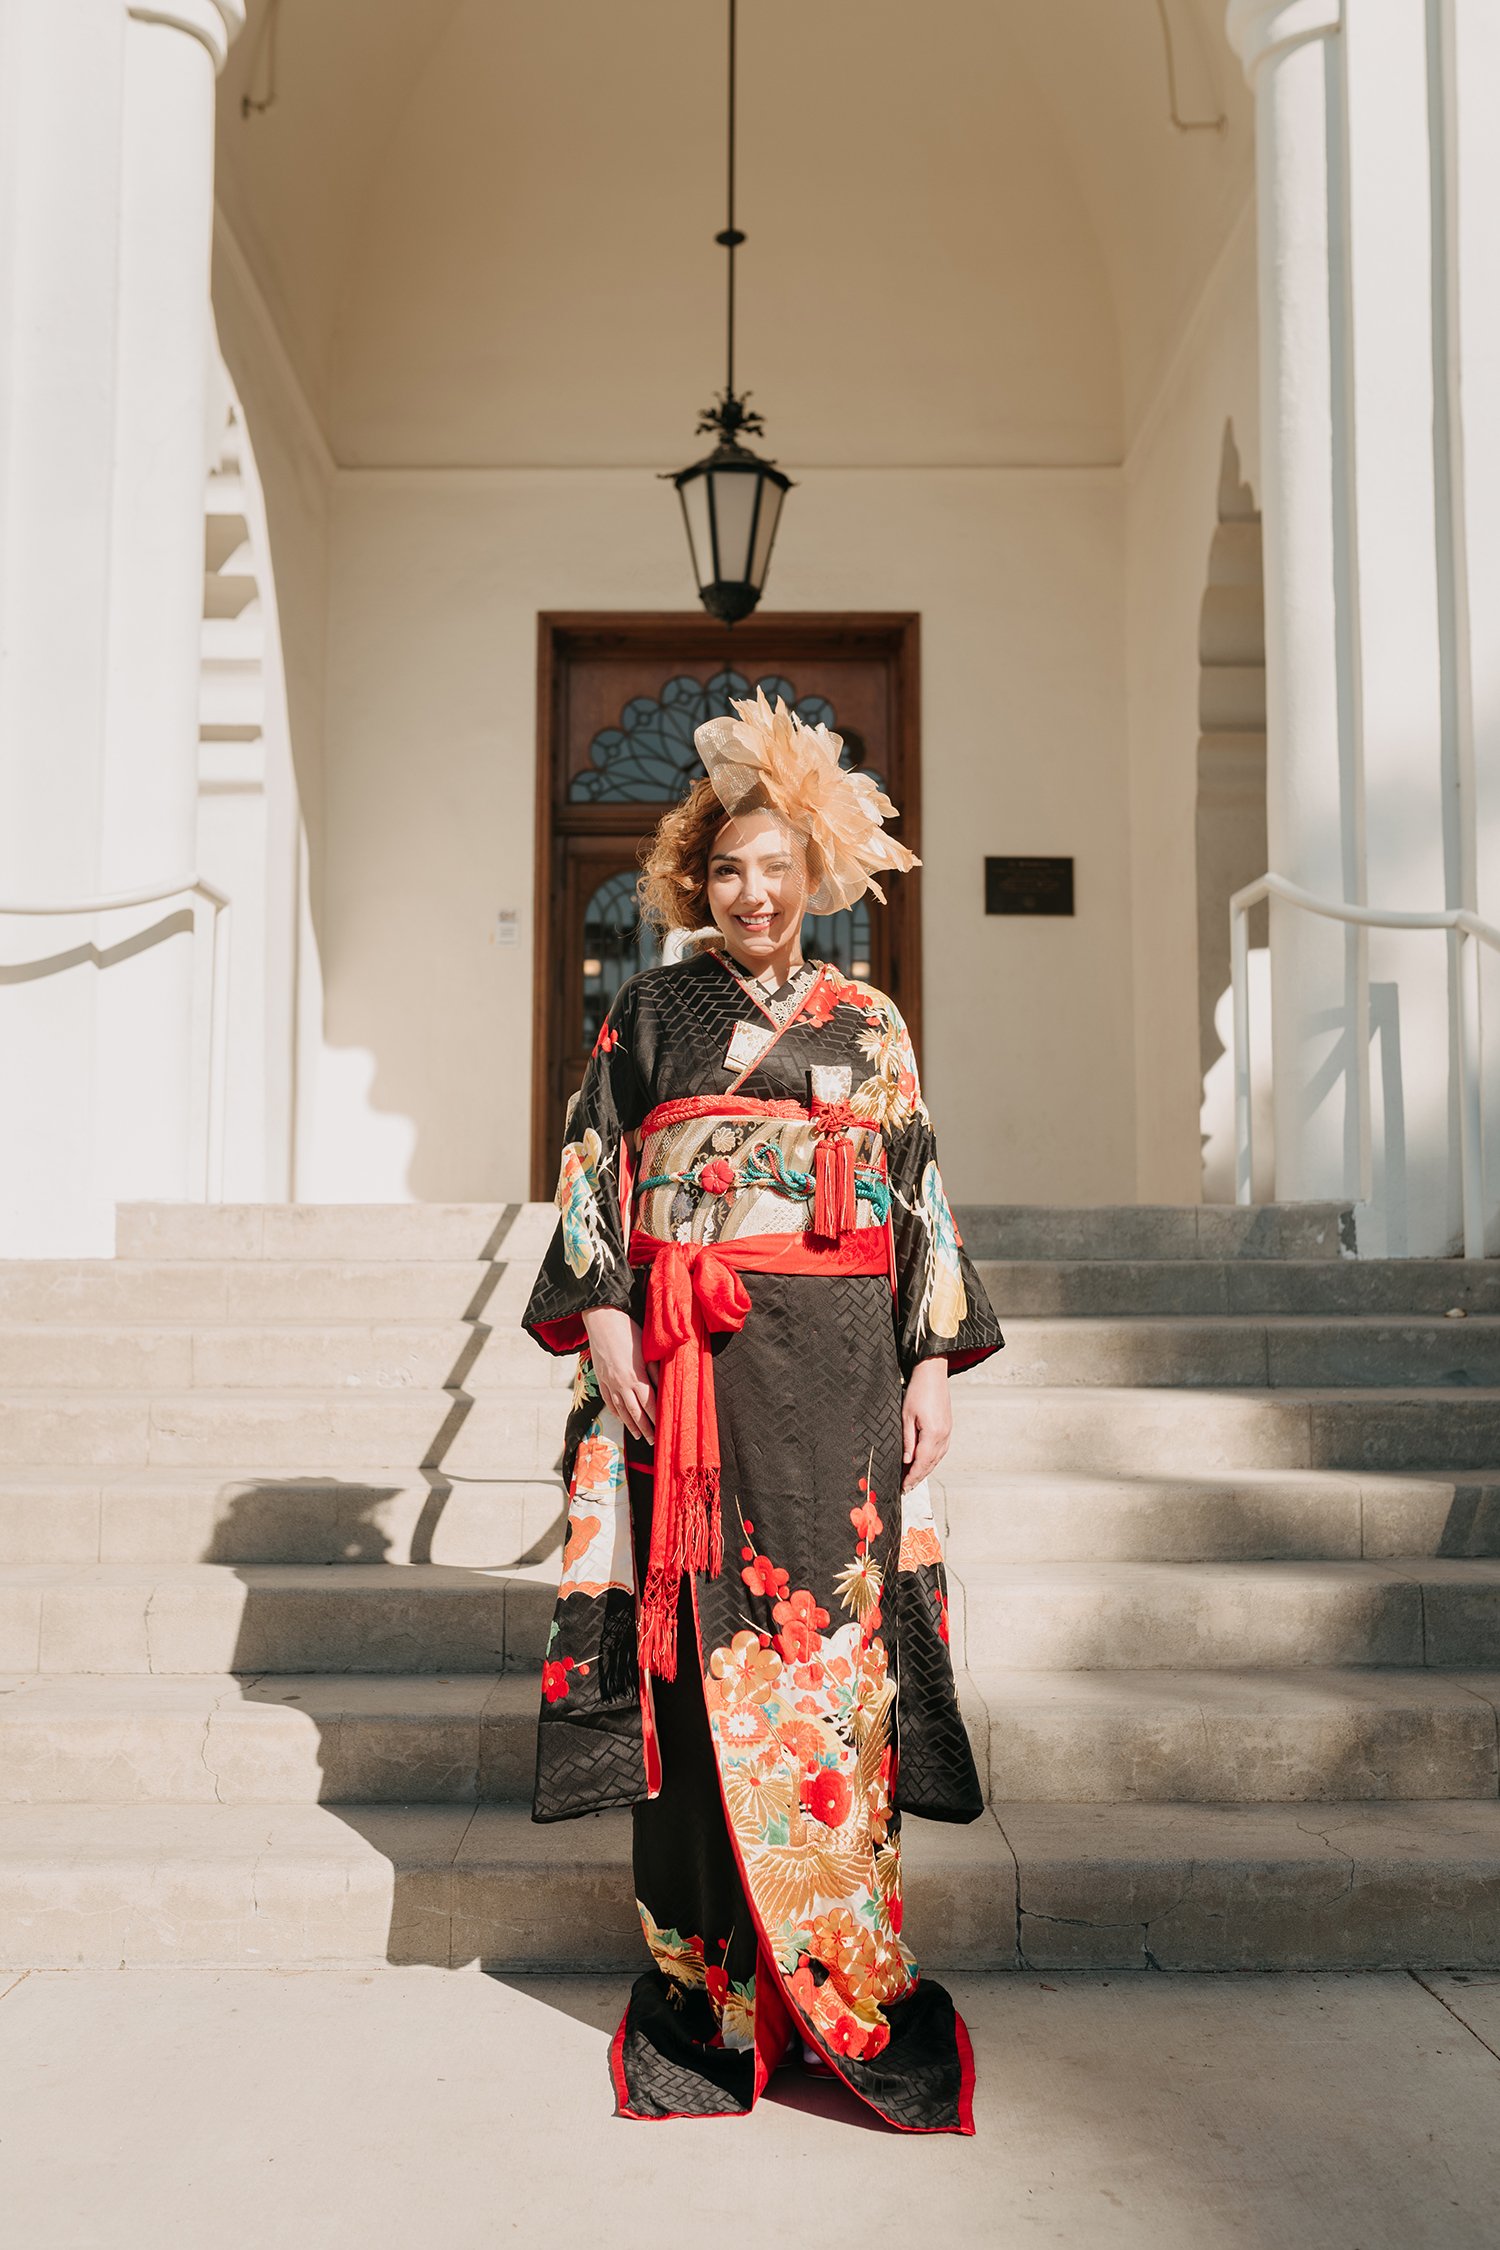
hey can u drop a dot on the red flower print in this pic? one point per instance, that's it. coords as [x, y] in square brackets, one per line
[800, 1620]
[942, 1602]
[866, 1520]
[555, 1677]
[895, 1913]
[802, 1742]
[762, 1577]
[607, 1040]
[581, 1530]
[827, 1795]
[717, 1981]
[595, 1457]
[804, 1987]
[716, 1177]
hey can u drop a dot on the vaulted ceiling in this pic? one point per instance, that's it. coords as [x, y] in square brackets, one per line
[484, 230]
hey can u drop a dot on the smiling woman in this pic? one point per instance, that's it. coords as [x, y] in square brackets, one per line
[757, 1258]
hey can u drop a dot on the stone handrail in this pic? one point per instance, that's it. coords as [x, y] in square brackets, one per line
[1466, 933]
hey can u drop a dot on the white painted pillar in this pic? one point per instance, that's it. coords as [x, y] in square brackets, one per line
[1408, 652]
[1290, 52]
[1377, 249]
[106, 206]
[1471, 532]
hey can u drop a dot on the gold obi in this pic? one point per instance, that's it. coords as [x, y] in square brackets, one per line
[721, 1173]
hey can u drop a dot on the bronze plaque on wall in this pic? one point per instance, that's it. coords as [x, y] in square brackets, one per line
[1028, 886]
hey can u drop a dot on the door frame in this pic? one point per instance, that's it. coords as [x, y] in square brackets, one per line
[892, 635]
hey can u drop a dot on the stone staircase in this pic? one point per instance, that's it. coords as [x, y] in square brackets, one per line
[280, 1524]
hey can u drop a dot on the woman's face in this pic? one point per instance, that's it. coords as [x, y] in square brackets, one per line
[757, 888]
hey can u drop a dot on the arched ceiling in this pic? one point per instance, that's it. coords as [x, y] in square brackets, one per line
[484, 228]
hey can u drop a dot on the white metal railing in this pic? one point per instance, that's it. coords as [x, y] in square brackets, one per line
[1466, 933]
[211, 1064]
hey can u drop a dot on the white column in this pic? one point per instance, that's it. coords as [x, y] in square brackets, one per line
[1377, 249]
[1289, 49]
[1408, 645]
[1472, 244]
[106, 204]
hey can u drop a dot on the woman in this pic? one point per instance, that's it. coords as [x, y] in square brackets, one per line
[757, 1259]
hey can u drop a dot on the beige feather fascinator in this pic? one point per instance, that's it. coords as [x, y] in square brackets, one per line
[773, 757]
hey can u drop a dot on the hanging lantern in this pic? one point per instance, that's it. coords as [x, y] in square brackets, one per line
[731, 499]
[731, 504]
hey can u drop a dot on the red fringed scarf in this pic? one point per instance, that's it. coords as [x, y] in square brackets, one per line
[695, 1291]
[692, 1291]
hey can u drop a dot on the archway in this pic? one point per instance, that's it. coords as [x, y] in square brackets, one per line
[1230, 818]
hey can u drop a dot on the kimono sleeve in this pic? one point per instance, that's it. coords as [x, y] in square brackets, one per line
[942, 1311]
[587, 1264]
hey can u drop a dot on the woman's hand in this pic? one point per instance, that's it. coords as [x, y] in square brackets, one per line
[625, 1382]
[926, 1420]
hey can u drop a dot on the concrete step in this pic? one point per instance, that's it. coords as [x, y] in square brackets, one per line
[333, 1230]
[1099, 1886]
[100, 1291]
[1215, 1352]
[271, 1617]
[1226, 1616]
[1290, 1886]
[1241, 1737]
[299, 1738]
[515, 1433]
[396, 1515]
[492, 1230]
[1252, 1515]
[1209, 1353]
[307, 1355]
[1141, 1230]
[1200, 1432]
[453, 1886]
[1122, 1288]
[374, 1617]
[518, 1433]
[1144, 1352]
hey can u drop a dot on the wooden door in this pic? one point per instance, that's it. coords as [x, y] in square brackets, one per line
[619, 696]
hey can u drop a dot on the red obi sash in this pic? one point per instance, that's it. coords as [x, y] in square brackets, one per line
[694, 1291]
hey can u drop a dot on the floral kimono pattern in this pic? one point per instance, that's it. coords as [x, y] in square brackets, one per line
[813, 1700]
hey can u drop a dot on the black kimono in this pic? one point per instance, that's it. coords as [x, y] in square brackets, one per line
[762, 1172]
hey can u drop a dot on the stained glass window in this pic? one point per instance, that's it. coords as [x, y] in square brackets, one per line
[616, 944]
[649, 759]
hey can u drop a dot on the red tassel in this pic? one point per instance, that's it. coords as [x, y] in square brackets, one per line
[657, 1634]
[700, 1538]
[833, 1189]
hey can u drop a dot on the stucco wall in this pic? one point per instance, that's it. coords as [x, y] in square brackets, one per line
[436, 580]
[483, 236]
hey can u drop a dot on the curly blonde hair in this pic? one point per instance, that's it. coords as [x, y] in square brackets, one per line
[673, 889]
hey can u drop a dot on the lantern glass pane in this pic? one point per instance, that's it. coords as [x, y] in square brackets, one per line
[771, 496]
[734, 507]
[694, 497]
